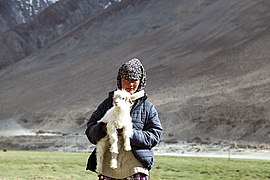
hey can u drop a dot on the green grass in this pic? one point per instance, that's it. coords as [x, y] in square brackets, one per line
[43, 165]
[63, 165]
[209, 168]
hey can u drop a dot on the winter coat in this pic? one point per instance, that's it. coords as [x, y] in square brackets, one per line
[147, 129]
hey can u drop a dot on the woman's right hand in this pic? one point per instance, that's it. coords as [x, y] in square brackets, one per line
[104, 127]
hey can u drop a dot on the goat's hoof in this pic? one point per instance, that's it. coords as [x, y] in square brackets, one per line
[114, 167]
[114, 151]
[114, 164]
[127, 148]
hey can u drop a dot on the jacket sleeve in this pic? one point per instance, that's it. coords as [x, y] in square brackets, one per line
[150, 135]
[93, 130]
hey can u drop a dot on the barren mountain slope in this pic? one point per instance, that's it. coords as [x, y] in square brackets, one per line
[207, 64]
[58, 19]
[15, 12]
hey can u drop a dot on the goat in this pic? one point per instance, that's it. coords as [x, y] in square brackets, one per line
[117, 117]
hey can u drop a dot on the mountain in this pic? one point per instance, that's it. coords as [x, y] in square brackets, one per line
[51, 23]
[207, 64]
[15, 12]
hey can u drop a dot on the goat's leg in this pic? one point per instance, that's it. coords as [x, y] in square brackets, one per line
[114, 161]
[100, 148]
[113, 140]
[126, 137]
[127, 133]
[127, 146]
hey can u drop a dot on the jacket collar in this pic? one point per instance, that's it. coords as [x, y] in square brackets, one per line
[137, 102]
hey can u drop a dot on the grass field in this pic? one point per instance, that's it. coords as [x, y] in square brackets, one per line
[66, 165]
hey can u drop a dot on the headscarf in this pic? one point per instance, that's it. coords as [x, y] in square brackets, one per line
[133, 69]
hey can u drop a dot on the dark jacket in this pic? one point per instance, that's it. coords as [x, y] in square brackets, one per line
[147, 128]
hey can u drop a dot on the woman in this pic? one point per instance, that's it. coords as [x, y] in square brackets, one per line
[147, 128]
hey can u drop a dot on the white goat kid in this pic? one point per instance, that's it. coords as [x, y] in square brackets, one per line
[117, 117]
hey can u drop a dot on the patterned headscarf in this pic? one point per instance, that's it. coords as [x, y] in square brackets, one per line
[133, 69]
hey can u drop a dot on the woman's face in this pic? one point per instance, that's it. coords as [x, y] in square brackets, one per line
[130, 85]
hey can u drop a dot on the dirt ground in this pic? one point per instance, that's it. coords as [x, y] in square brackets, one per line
[79, 143]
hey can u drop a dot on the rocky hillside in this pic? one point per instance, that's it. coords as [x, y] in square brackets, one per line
[207, 64]
[16, 12]
[39, 30]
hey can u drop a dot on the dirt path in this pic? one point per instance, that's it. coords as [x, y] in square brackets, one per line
[211, 150]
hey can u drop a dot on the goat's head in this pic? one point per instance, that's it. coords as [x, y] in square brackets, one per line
[121, 99]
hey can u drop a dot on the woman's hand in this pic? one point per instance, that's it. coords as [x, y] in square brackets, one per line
[120, 132]
[104, 127]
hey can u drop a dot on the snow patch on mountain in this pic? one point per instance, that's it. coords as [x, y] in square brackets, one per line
[106, 3]
[32, 7]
